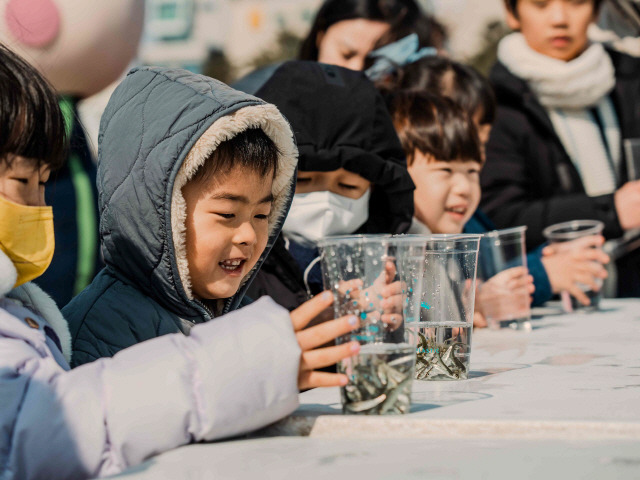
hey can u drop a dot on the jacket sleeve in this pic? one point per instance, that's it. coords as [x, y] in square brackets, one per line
[230, 376]
[511, 196]
[543, 292]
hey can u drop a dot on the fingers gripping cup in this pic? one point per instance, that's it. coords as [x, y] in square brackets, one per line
[444, 323]
[368, 276]
[503, 279]
[567, 232]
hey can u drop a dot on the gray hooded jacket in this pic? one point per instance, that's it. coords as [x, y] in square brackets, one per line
[159, 127]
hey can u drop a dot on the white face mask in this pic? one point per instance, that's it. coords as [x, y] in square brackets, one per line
[316, 215]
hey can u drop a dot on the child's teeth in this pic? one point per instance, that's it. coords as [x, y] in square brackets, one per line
[231, 263]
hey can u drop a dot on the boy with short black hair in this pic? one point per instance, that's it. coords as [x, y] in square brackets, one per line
[444, 159]
[195, 180]
[227, 377]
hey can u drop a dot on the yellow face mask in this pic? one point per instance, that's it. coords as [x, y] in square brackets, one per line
[26, 237]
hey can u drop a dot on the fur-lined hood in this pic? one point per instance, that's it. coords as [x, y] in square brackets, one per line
[159, 127]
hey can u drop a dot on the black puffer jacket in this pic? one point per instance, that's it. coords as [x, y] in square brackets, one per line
[529, 178]
[340, 121]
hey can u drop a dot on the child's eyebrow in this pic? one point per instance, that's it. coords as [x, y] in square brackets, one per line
[239, 198]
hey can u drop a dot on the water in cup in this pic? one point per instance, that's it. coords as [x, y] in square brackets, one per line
[380, 379]
[443, 350]
[444, 322]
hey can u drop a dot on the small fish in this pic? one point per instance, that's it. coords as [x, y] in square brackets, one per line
[365, 405]
[393, 396]
[400, 361]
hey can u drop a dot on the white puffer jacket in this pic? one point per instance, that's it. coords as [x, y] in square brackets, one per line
[228, 377]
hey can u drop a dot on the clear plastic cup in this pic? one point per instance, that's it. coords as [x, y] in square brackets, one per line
[370, 277]
[566, 232]
[502, 255]
[445, 322]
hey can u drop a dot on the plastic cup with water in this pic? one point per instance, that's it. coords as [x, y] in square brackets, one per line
[566, 232]
[445, 320]
[503, 254]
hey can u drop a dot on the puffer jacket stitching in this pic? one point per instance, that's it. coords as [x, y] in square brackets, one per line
[89, 331]
[85, 352]
[5, 468]
[135, 162]
[124, 104]
[93, 304]
[22, 401]
[195, 378]
[171, 135]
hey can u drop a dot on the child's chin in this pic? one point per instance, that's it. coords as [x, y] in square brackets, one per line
[226, 290]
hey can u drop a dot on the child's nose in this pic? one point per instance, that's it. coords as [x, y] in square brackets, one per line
[245, 234]
[462, 185]
[558, 13]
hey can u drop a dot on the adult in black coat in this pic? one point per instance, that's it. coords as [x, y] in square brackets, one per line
[530, 178]
[340, 122]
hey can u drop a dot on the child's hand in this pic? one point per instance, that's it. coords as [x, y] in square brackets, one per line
[311, 338]
[579, 261]
[383, 295]
[391, 292]
[594, 242]
[505, 294]
[478, 320]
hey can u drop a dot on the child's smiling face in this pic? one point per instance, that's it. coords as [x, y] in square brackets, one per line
[226, 229]
[447, 193]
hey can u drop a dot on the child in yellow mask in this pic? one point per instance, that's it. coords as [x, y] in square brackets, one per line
[103, 417]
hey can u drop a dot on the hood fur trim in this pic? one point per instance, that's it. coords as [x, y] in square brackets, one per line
[8, 274]
[32, 297]
[270, 120]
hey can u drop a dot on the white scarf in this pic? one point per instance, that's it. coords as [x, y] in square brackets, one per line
[568, 90]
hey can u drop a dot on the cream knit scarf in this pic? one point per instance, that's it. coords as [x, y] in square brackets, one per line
[568, 91]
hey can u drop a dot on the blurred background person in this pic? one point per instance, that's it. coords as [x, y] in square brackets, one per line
[565, 105]
[344, 31]
[80, 46]
[619, 26]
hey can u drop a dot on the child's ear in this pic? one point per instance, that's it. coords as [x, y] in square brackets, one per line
[512, 19]
[319, 38]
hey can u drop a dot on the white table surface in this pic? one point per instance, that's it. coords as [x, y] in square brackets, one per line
[571, 376]
[560, 400]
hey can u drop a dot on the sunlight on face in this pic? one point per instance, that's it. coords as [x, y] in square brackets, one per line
[341, 182]
[348, 42]
[22, 183]
[555, 28]
[226, 230]
[447, 193]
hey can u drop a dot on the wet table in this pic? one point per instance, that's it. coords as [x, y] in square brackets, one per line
[560, 400]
